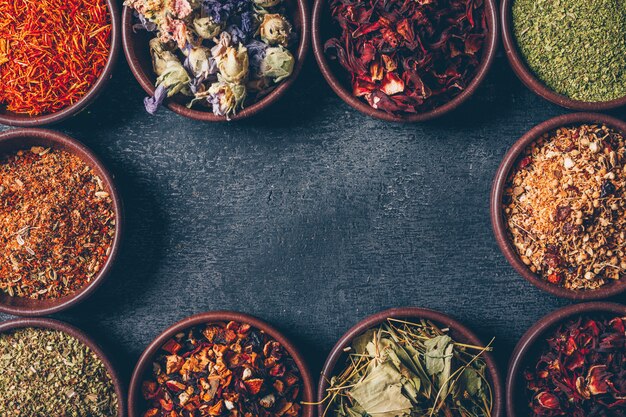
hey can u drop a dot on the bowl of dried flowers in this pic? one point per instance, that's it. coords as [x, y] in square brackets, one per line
[571, 363]
[60, 222]
[218, 364]
[558, 209]
[410, 361]
[215, 60]
[405, 61]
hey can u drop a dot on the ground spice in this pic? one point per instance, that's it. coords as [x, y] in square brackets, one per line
[57, 223]
[51, 52]
[565, 206]
[576, 47]
[50, 373]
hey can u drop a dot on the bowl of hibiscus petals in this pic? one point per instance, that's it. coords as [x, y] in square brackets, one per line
[405, 61]
[571, 363]
[215, 60]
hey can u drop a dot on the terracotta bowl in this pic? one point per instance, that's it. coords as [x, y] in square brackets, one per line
[530, 345]
[22, 120]
[21, 139]
[498, 220]
[50, 324]
[136, 403]
[324, 28]
[527, 76]
[138, 56]
[458, 332]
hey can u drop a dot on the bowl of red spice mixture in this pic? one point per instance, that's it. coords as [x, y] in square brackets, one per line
[558, 208]
[221, 364]
[571, 363]
[60, 222]
[55, 57]
[405, 61]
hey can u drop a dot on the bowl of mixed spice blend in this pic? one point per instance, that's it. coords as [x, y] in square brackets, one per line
[55, 57]
[572, 53]
[60, 219]
[404, 61]
[571, 363]
[221, 364]
[558, 206]
[410, 362]
[52, 369]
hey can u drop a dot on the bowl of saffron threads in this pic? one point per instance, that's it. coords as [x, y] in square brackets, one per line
[56, 56]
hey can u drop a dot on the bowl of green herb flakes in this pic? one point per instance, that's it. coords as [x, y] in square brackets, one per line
[572, 53]
[408, 362]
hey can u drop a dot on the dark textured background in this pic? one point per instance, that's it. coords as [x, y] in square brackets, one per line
[310, 216]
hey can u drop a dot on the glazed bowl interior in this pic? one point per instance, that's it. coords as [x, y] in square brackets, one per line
[498, 218]
[138, 55]
[324, 28]
[137, 405]
[337, 357]
[16, 140]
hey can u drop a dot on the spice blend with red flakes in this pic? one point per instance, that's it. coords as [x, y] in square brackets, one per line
[223, 370]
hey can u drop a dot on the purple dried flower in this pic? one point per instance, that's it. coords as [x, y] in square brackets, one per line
[152, 103]
[256, 54]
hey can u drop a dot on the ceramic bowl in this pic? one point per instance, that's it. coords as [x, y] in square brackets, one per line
[138, 57]
[526, 75]
[136, 403]
[50, 324]
[458, 332]
[14, 140]
[498, 220]
[530, 345]
[324, 28]
[22, 120]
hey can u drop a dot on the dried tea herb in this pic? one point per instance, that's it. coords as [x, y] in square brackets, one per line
[50, 373]
[410, 369]
[223, 370]
[565, 208]
[57, 223]
[408, 56]
[581, 371]
[576, 47]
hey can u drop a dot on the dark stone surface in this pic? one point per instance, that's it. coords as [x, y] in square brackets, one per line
[310, 216]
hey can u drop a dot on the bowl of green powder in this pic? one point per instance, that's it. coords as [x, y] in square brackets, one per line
[570, 52]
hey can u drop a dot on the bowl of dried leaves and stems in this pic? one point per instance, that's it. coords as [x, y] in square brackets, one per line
[410, 361]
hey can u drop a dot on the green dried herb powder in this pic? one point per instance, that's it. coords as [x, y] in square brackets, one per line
[48, 373]
[576, 47]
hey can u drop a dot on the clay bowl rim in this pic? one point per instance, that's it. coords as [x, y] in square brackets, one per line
[61, 141]
[12, 119]
[528, 78]
[142, 74]
[367, 323]
[533, 336]
[52, 324]
[497, 217]
[145, 360]
[489, 54]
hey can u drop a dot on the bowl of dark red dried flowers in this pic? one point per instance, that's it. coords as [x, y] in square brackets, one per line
[571, 363]
[405, 61]
[410, 362]
[558, 208]
[60, 220]
[221, 364]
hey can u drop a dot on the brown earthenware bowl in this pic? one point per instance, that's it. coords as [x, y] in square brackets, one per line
[459, 332]
[498, 219]
[50, 324]
[324, 28]
[138, 56]
[24, 120]
[531, 344]
[14, 140]
[136, 403]
[526, 75]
